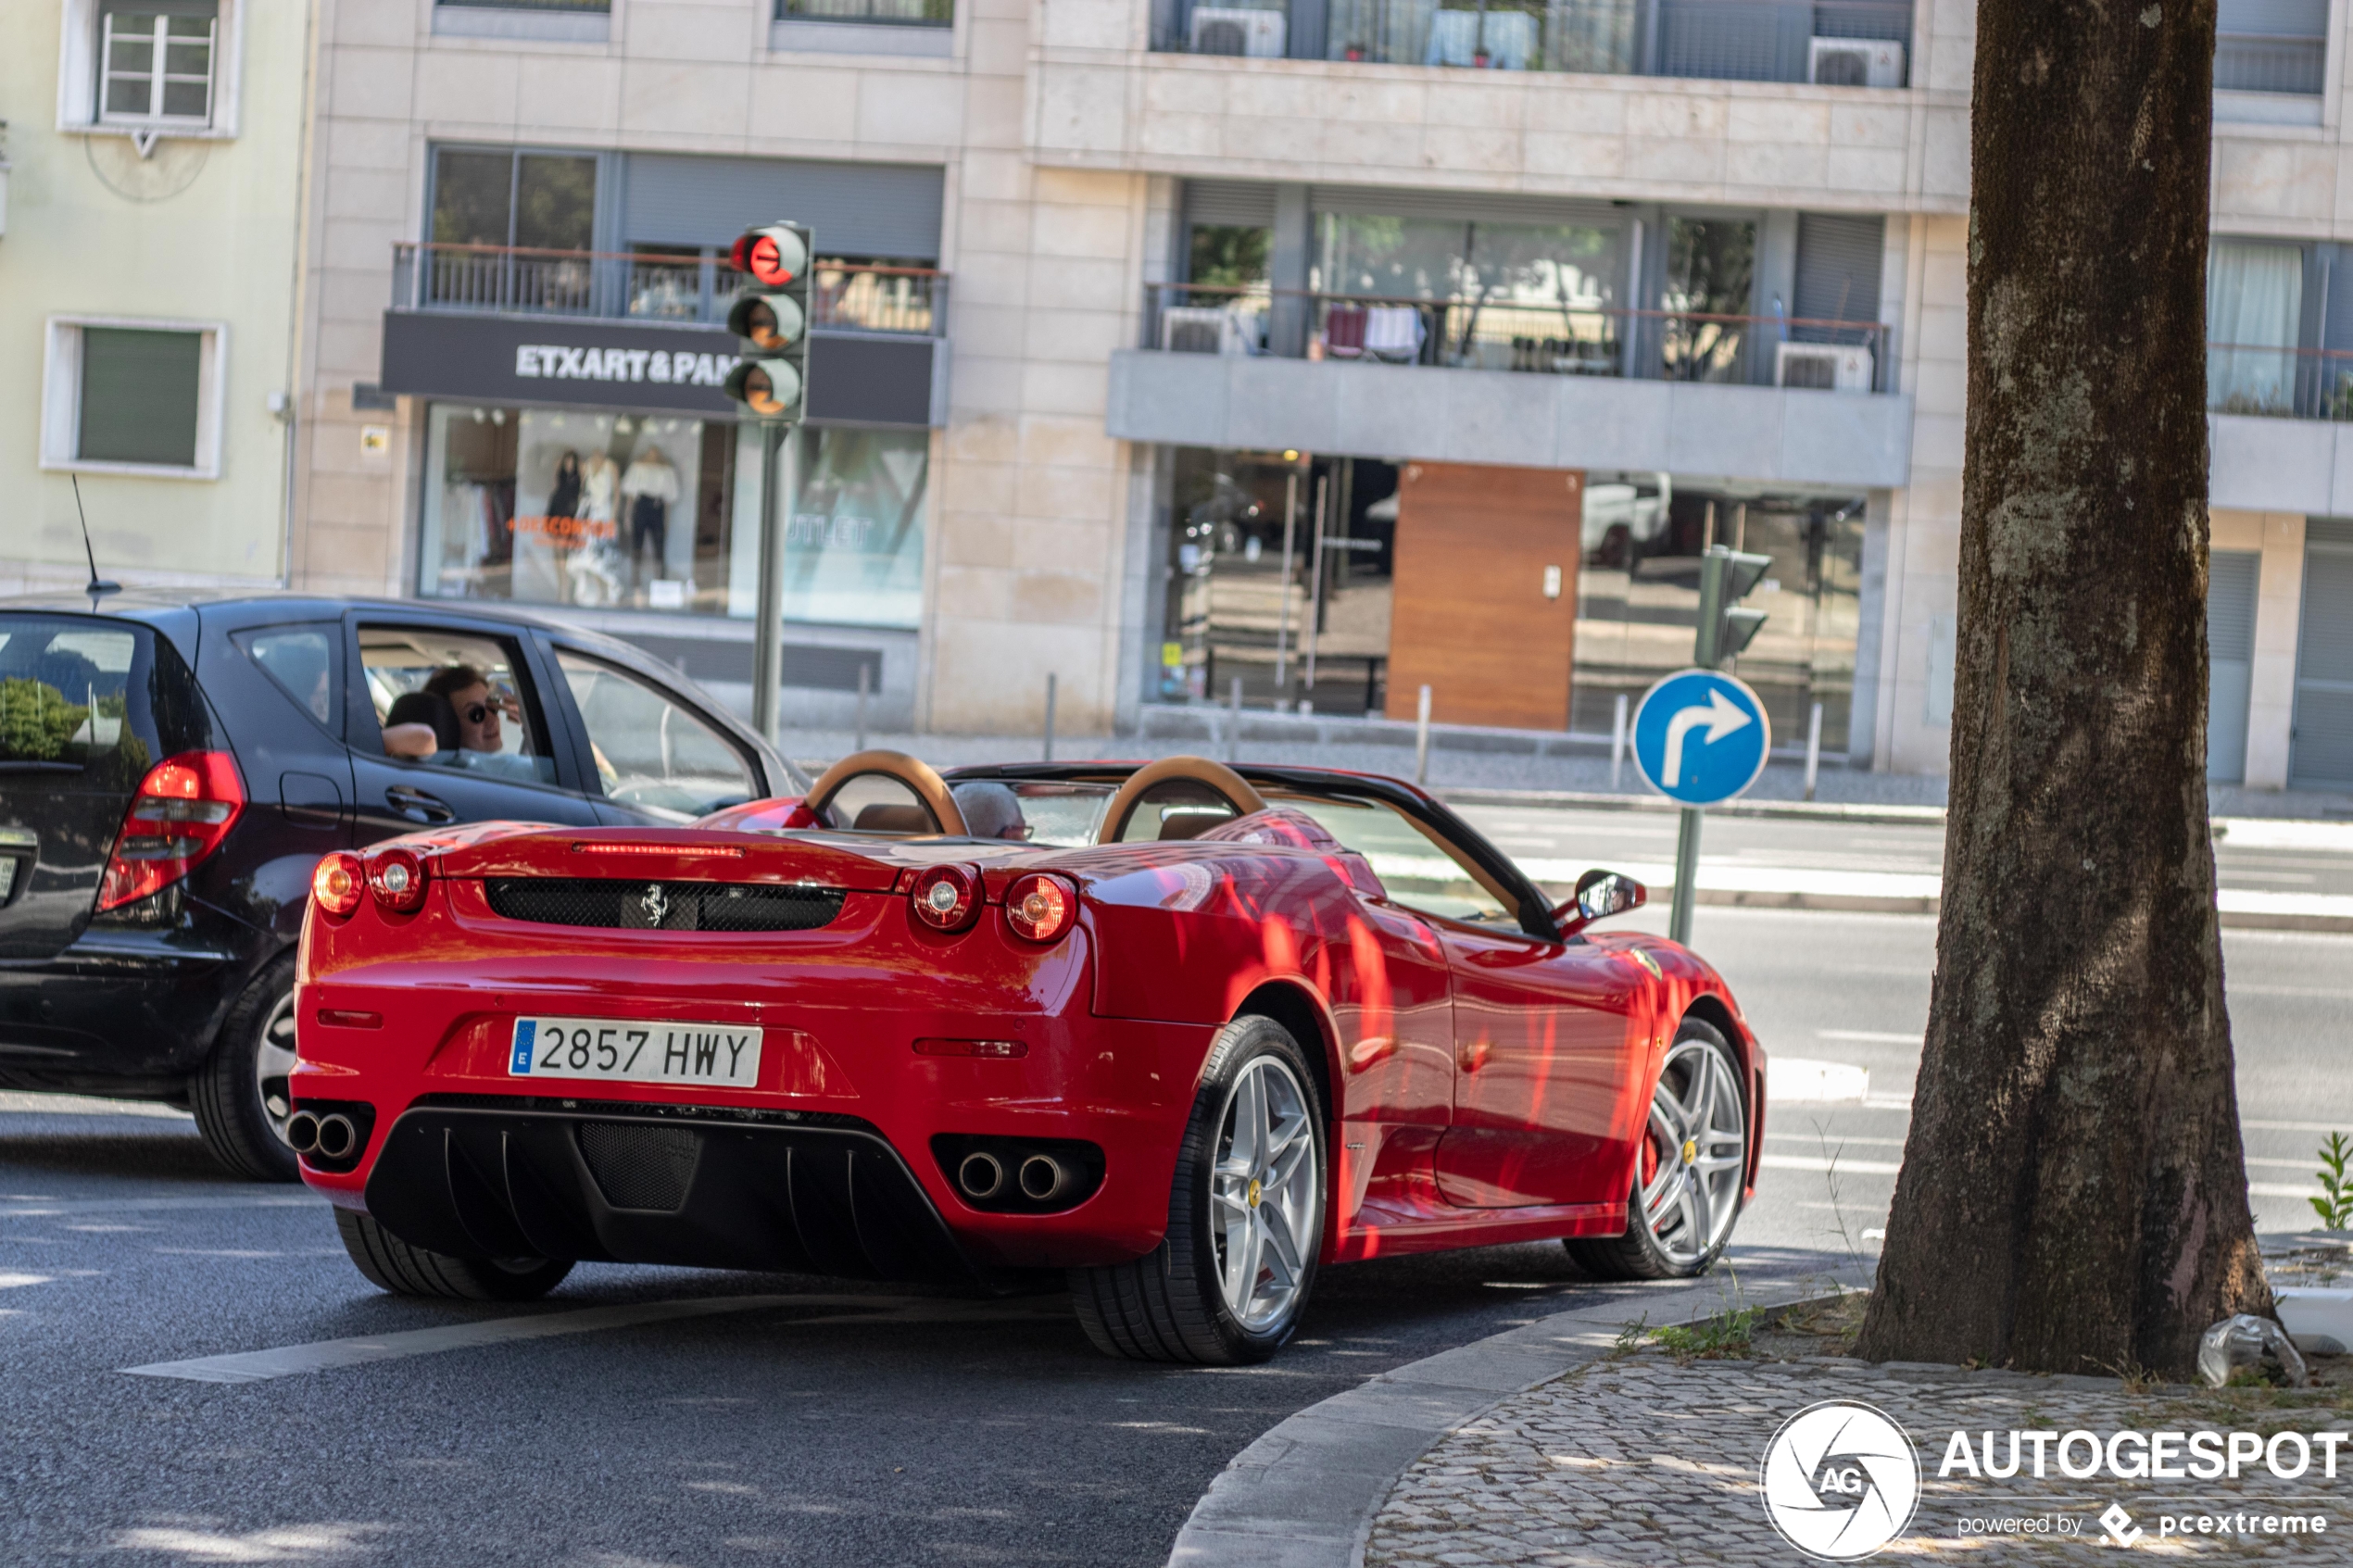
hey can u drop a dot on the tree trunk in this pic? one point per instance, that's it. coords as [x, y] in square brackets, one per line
[2073, 1196]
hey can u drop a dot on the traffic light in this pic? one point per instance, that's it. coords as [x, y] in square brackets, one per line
[771, 314]
[1727, 626]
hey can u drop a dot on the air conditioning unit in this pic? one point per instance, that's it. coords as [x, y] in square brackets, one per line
[1226, 29]
[1823, 367]
[1856, 62]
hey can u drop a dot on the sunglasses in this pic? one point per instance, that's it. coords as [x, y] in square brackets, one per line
[476, 713]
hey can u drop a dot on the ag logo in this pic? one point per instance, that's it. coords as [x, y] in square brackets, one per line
[1840, 1480]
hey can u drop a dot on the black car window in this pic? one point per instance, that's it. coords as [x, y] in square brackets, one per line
[301, 659]
[456, 699]
[64, 690]
[653, 752]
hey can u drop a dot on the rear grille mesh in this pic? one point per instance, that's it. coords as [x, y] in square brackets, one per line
[662, 906]
[640, 1167]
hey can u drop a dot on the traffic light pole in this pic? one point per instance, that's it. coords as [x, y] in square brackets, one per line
[1711, 617]
[768, 627]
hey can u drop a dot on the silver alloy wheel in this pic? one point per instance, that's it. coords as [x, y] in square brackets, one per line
[273, 1060]
[1267, 1194]
[1690, 1167]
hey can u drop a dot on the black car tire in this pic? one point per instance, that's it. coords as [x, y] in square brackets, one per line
[1170, 1305]
[1637, 1253]
[227, 1092]
[393, 1265]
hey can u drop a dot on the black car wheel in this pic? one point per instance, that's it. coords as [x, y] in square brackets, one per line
[392, 1264]
[240, 1094]
[1229, 1280]
[1689, 1170]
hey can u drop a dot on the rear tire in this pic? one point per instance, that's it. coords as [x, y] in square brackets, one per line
[240, 1094]
[1682, 1206]
[393, 1265]
[1228, 1283]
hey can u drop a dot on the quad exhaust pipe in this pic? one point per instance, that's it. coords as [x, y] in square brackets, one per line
[302, 1132]
[1043, 1178]
[338, 1137]
[981, 1174]
[332, 1136]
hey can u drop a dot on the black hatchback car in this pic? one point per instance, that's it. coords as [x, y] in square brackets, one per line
[172, 769]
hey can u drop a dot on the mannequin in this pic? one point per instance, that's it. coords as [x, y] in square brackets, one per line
[563, 500]
[649, 490]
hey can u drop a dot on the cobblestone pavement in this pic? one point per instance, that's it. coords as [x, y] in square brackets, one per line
[1640, 1461]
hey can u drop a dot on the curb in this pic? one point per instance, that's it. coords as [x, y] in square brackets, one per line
[1590, 800]
[1306, 1494]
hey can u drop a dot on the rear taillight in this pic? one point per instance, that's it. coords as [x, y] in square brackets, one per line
[947, 897]
[1041, 908]
[396, 877]
[336, 886]
[185, 807]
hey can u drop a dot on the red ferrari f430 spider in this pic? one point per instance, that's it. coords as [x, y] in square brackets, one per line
[1185, 1032]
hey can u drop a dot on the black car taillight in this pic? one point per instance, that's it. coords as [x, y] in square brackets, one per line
[185, 807]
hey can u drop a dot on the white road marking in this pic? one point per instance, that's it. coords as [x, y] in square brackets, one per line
[10, 1281]
[292, 1360]
[1836, 1140]
[83, 1105]
[1816, 1162]
[47, 1210]
[1796, 1080]
[1873, 1037]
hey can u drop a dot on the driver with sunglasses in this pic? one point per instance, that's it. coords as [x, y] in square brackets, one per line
[481, 746]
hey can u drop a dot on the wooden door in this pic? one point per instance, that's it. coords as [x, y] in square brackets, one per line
[1484, 594]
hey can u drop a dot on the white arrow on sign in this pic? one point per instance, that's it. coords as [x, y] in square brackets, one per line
[1721, 716]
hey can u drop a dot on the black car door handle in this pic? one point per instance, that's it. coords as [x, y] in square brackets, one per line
[418, 807]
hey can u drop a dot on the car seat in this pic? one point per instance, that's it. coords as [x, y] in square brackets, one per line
[426, 707]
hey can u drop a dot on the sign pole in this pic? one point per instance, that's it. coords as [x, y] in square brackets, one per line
[768, 627]
[1679, 917]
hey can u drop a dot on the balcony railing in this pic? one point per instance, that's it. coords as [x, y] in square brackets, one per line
[1564, 338]
[2267, 62]
[654, 286]
[889, 13]
[2280, 384]
[1836, 42]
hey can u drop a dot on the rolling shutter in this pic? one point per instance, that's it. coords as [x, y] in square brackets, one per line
[1236, 203]
[2321, 752]
[1838, 263]
[858, 209]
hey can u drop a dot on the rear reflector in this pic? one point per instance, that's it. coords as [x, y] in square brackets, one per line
[350, 1018]
[683, 851]
[185, 807]
[1000, 1049]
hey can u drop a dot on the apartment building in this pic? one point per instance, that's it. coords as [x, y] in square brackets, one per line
[150, 188]
[1320, 348]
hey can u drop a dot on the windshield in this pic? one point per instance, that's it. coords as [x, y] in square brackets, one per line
[1418, 871]
[1066, 816]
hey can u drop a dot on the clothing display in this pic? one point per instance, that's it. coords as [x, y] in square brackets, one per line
[599, 483]
[650, 489]
[564, 500]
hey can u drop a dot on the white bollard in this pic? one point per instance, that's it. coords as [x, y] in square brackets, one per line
[1617, 740]
[1234, 725]
[865, 675]
[1812, 749]
[1421, 740]
[1050, 719]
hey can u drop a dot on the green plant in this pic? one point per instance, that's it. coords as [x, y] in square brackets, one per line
[1728, 1332]
[2335, 1203]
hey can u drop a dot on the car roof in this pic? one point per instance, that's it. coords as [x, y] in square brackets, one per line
[141, 603]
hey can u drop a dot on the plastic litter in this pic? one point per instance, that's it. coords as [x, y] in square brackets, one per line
[2241, 1344]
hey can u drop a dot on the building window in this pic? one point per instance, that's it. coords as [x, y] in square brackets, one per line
[132, 396]
[156, 60]
[854, 550]
[902, 13]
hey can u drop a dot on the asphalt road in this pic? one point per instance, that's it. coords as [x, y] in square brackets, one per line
[849, 1425]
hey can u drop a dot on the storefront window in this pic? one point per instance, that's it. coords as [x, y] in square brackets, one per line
[572, 506]
[854, 552]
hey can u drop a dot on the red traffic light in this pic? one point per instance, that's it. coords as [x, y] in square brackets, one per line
[773, 256]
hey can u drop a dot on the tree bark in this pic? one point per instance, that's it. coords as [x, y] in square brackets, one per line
[2073, 1195]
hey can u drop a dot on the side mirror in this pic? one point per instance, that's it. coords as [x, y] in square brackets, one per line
[1599, 894]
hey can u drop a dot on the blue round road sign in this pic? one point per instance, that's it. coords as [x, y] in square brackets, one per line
[1701, 737]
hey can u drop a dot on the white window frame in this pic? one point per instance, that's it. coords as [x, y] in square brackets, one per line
[79, 102]
[61, 397]
[159, 74]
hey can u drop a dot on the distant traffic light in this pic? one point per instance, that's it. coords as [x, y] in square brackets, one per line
[1727, 626]
[771, 314]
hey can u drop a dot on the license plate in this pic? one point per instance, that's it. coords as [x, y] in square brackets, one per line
[636, 1052]
[7, 876]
